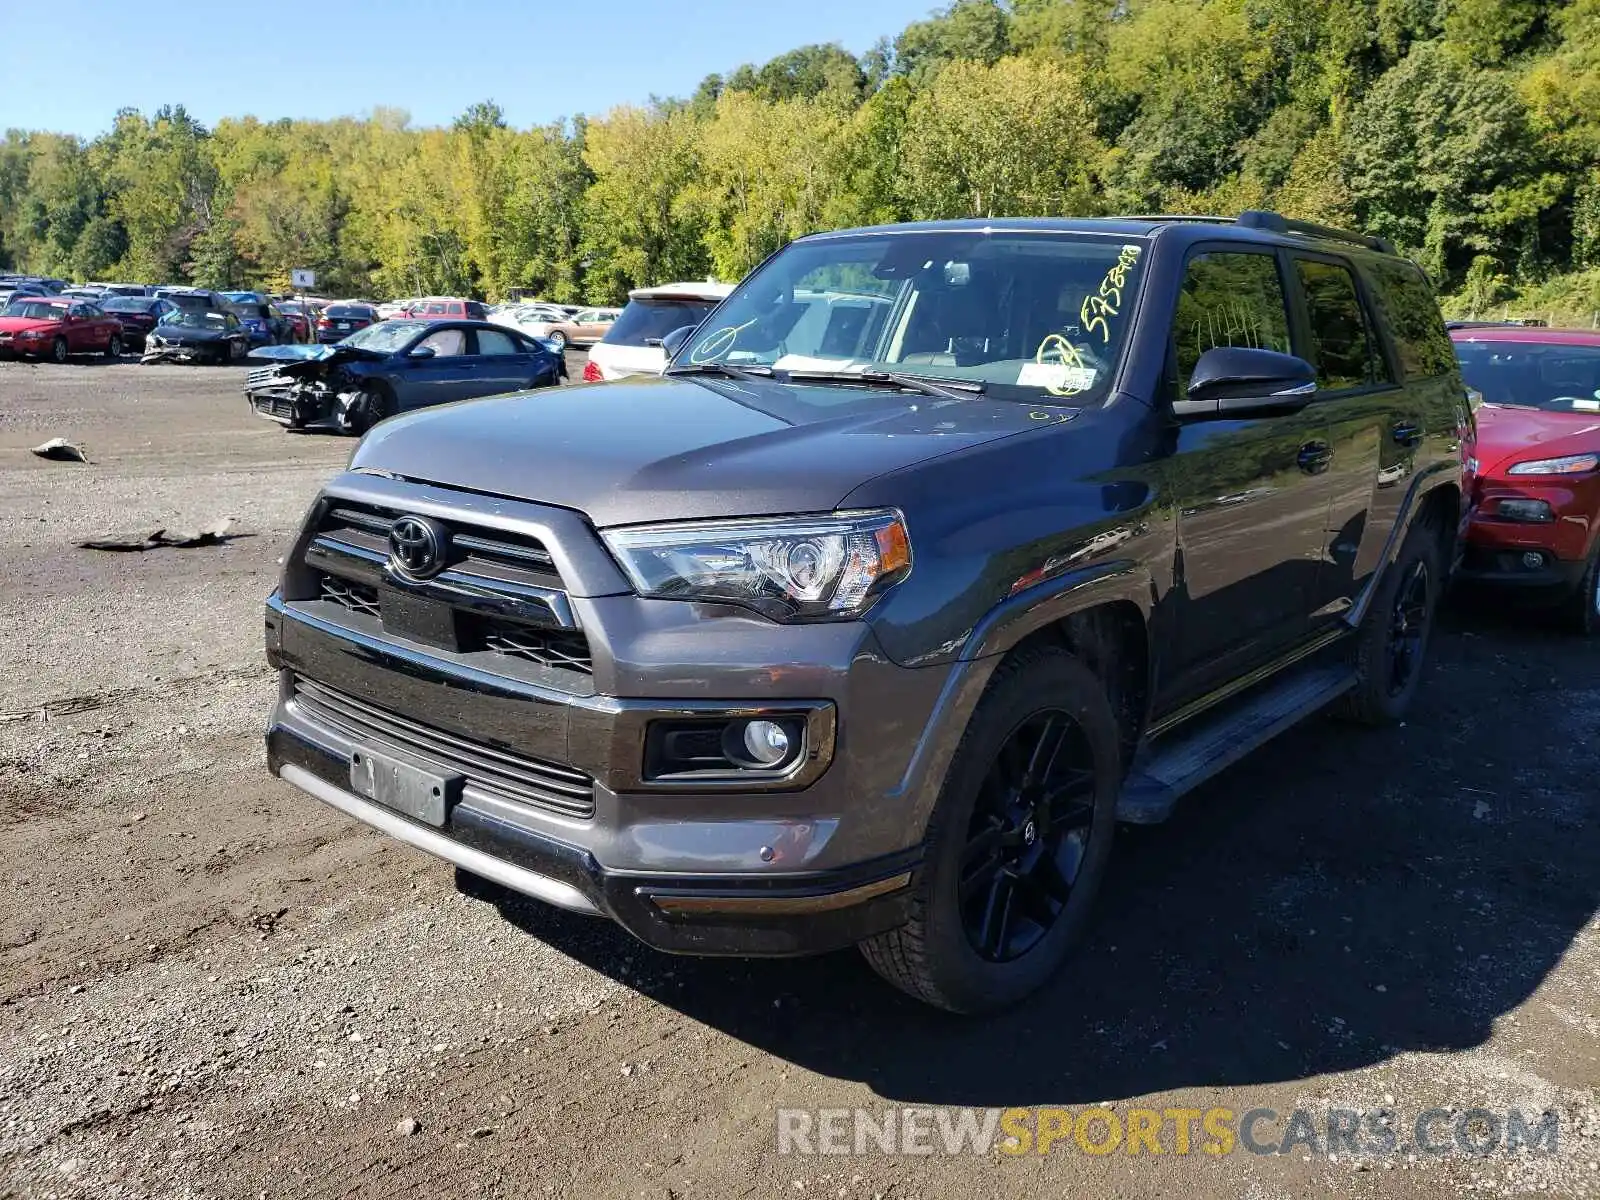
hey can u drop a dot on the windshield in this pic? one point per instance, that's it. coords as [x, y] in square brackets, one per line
[194, 318]
[1024, 313]
[644, 321]
[35, 310]
[129, 304]
[1547, 376]
[386, 336]
[189, 300]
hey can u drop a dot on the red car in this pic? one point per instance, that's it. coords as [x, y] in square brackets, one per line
[1536, 487]
[296, 314]
[56, 327]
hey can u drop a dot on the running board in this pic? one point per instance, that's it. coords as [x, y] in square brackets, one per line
[1189, 756]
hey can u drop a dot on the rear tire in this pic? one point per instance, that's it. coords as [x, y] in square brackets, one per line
[1583, 606]
[557, 339]
[1392, 645]
[1048, 856]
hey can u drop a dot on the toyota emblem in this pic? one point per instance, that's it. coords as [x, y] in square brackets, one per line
[416, 547]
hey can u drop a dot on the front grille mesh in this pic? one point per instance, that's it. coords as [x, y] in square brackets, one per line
[501, 773]
[357, 597]
[561, 649]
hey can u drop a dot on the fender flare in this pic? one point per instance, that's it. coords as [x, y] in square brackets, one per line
[1004, 627]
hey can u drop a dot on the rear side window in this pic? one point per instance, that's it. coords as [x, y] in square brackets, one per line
[1341, 344]
[1229, 299]
[644, 321]
[492, 341]
[476, 311]
[1406, 305]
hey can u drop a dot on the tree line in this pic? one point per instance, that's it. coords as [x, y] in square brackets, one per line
[1467, 131]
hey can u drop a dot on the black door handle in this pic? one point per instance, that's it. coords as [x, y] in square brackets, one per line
[1407, 434]
[1315, 457]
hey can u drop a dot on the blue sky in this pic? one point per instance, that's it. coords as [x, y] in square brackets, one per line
[70, 64]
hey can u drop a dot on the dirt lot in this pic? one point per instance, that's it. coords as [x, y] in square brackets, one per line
[212, 986]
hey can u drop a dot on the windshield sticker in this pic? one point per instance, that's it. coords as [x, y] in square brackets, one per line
[1058, 353]
[1057, 378]
[1108, 300]
[1586, 405]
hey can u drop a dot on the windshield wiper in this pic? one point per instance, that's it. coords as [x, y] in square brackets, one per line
[945, 389]
[754, 371]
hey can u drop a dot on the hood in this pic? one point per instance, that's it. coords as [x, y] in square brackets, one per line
[22, 324]
[311, 360]
[1506, 433]
[652, 449]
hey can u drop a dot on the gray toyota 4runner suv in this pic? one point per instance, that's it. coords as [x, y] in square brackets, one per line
[938, 551]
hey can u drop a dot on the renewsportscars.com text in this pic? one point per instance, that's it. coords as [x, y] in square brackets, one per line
[1374, 1132]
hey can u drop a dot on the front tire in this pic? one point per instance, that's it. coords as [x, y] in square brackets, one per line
[59, 350]
[1392, 645]
[1583, 606]
[373, 405]
[114, 347]
[1018, 843]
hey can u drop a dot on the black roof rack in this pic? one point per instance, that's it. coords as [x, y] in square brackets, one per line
[1254, 218]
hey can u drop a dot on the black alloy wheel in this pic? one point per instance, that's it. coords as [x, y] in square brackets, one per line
[1028, 837]
[1408, 626]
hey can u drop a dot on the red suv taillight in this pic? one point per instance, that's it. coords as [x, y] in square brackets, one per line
[591, 372]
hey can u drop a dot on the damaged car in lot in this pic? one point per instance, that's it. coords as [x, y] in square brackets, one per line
[197, 335]
[395, 366]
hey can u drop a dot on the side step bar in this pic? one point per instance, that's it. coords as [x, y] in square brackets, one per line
[1187, 757]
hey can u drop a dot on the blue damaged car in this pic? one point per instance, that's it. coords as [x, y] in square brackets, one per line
[393, 367]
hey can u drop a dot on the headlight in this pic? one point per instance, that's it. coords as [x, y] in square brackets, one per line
[1572, 464]
[831, 566]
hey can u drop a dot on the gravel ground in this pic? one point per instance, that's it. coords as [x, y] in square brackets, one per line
[212, 986]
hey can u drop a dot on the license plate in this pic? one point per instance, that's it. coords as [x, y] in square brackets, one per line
[416, 791]
[431, 622]
[341, 324]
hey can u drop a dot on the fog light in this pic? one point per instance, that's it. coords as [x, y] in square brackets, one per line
[1524, 510]
[766, 742]
[1533, 560]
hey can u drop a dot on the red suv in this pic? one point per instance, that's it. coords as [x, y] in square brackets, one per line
[447, 308]
[1536, 495]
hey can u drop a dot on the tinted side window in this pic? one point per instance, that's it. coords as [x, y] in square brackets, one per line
[492, 341]
[1229, 299]
[1341, 347]
[1406, 305]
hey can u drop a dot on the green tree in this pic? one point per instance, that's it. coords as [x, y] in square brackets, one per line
[1014, 138]
[639, 226]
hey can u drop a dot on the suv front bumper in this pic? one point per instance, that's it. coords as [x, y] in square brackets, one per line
[817, 862]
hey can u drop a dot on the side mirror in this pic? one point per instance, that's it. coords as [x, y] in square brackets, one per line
[422, 352]
[1235, 381]
[674, 341]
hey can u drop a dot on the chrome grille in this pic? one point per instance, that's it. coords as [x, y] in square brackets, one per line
[559, 648]
[504, 774]
[261, 377]
[492, 553]
[357, 597]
